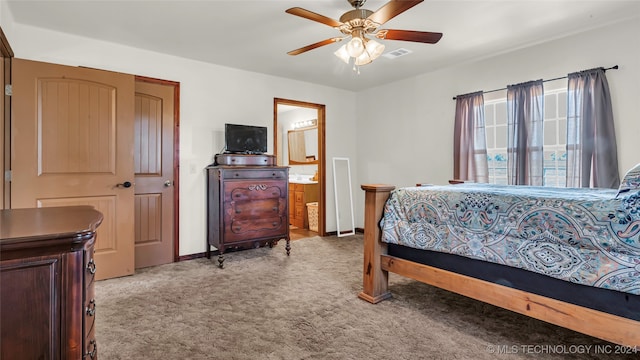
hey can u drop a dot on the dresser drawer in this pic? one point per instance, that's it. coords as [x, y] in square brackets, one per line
[240, 210]
[89, 310]
[90, 347]
[89, 266]
[241, 230]
[255, 190]
[254, 174]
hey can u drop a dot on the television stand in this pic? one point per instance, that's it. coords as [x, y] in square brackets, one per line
[230, 159]
[247, 205]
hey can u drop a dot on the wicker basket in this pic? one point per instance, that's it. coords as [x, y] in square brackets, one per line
[312, 214]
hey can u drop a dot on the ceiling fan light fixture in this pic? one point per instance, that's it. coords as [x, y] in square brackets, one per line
[355, 47]
[363, 59]
[374, 48]
[342, 54]
[360, 23]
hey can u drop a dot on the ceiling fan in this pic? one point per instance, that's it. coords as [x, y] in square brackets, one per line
[359, 23]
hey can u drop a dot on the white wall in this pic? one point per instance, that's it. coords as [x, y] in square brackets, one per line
[210, 96]
[413, 127]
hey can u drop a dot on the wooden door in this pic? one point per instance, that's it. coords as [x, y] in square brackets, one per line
[5, 112]
[2, 123]
[153, 155]
[72, 144]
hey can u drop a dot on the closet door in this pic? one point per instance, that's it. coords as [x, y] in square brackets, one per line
[6, 54]
[72, 144]
[153, 155]
[2, 166]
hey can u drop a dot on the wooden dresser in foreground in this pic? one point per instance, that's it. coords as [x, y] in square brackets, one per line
[247, 206]
[47, 305]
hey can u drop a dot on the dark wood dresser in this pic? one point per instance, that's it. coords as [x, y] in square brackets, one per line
[247, 206]
[47, 305]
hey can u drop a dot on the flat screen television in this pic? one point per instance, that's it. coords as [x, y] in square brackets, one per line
[245, 139]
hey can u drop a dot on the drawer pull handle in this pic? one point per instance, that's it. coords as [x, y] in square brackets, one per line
[91, 266]
[275, 208]
[93, 347]
[238, 211]
[274, 224]
[91, 308]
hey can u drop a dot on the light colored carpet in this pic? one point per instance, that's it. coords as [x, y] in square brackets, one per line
[265, 305]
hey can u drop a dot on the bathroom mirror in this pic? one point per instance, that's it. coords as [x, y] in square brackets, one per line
[303, 146]
[344, 202]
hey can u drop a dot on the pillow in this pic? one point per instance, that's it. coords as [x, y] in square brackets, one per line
[630, 181]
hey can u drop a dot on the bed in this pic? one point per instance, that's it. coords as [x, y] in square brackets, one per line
[570, 257]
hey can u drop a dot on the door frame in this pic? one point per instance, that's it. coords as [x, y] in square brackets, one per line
[5, 125]
[321, 151]
[176, 158]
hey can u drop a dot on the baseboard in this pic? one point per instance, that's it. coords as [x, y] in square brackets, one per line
[191, 257]
[334, 233]
[201, 255]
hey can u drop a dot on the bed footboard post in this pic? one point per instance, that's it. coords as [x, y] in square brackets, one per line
[375, 280]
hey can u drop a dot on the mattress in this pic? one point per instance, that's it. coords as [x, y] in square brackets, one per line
[584, 236]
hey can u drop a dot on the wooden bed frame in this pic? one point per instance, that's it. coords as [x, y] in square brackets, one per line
[377, 265]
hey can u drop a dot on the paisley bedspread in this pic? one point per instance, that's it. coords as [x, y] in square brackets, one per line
[586, 236]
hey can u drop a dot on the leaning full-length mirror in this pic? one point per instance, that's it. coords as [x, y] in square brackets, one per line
[344, 200]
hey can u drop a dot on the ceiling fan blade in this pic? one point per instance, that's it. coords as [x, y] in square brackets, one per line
[313, 16]
[314, 46]
[392, 9]
[409, 35]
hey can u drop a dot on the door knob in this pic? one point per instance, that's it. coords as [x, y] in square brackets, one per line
[167, 183]
[126, 184]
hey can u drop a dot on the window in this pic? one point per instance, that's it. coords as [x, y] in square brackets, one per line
[555, 138]
[495, 115]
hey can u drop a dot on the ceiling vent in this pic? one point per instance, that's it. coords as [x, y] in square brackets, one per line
[397, 53]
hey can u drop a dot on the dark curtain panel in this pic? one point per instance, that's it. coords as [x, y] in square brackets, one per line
[525, 106]
[592, 157]
[469, 139]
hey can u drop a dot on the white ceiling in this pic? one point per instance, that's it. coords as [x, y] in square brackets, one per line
[256, 35]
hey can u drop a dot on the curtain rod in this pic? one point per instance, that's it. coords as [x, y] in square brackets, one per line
[615, 67]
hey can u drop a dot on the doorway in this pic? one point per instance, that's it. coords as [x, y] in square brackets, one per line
[84, 163]
[299, 142]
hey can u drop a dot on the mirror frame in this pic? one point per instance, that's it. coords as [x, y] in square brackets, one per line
[342, 209]
[295, 162]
